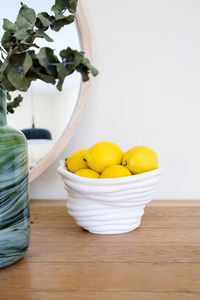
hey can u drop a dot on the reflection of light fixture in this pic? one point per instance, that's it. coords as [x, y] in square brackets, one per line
[36, 133]
[39, 140]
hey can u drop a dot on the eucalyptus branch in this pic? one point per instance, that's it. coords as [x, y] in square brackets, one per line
[22, 64]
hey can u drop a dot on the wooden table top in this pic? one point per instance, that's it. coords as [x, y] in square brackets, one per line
[158, 261]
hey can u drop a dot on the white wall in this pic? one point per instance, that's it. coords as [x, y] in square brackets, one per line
[147, 92]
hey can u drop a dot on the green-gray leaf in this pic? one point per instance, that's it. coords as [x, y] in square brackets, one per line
[43, 57]
[44, 65]
[26, 18]
[45, 19]
[27, 63]
[61, 21]
[93, 70]
[25, 41]
[18, 80]
[8, 96]
[9, 26]
[84, 72]
[20, 34]
[6, 84]
[62, 73]
[45, 77]
[42, 34]
[6, 40]
[72, 56]
[62, 5]
[13, 104]
[17, 100]
[18, 66]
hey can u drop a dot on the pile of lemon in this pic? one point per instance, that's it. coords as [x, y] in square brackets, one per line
[106, 160]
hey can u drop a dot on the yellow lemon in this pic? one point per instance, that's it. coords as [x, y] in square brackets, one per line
[102, 155]
[115, 171]
[75, 161]
[140, 159]
[123, 153]
[87, 173]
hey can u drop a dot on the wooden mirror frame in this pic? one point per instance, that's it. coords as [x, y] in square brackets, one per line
[85, 42]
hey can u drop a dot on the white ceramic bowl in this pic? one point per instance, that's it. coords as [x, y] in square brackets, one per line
[111, 205]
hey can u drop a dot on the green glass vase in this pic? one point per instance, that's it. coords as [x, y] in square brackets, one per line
[14, 199]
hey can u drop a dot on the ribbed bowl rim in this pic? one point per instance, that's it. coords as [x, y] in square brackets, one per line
[106, 181]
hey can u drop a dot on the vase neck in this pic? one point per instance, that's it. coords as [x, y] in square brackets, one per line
[3, 109]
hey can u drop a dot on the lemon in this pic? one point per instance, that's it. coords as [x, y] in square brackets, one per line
[87, 173]
[115, 171]
[75, 161]
[140, 159]
[102, 155]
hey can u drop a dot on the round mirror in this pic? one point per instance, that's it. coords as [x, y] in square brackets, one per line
[55, 114]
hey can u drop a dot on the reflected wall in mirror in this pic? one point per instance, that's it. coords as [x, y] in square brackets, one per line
[50, 109]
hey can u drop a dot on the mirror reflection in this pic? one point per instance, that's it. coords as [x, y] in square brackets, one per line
[43, 106]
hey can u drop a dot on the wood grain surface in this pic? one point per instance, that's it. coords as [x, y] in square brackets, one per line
[158, 261]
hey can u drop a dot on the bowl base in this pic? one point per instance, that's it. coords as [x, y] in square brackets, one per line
[114, 231]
